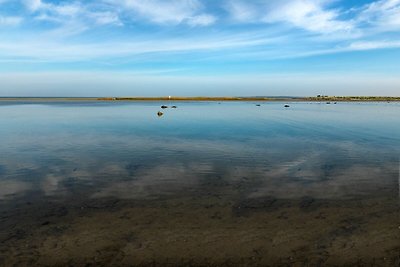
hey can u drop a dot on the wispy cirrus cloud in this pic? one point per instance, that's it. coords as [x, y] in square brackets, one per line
[310, 15]
[10, 20]
[369, 45]
[59, 51]
[319, 16]
[313, 16]
[383, 15]
[167, 11]
[69, 14]
[33, 5]
[191, 34]
[202, 20]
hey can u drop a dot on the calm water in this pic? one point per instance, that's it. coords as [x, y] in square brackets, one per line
[204, 184]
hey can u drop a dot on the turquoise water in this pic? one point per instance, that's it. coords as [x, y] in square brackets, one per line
[64, 155]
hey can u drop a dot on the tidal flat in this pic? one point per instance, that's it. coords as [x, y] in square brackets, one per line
[207, 184]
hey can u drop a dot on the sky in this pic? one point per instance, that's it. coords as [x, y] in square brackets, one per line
[199, 47]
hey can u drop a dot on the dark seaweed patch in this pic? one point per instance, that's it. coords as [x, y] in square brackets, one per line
[247, 206]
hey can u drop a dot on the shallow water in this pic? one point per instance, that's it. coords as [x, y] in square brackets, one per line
[225, 184]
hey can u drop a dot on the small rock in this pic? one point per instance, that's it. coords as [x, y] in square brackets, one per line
[174, 107]
[258, 105]
[287, 106]
[159, 114]
[163, 107]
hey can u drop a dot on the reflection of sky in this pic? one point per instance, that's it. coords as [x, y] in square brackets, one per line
[126, 151]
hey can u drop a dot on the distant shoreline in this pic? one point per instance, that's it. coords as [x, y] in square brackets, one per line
[220, 99]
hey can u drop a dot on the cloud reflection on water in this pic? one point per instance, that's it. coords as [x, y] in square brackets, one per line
[11, 188]
[284, 155]
[316, 175]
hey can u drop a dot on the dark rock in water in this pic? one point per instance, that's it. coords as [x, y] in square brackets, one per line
[287, 106]
[159, 114]
[164, 107]
[335, 103]
[174, 107]
[328, 103]
[258, 105]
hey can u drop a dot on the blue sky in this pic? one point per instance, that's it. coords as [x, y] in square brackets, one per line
[195, 47]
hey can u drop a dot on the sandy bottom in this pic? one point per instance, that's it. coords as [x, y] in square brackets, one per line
[200, 230]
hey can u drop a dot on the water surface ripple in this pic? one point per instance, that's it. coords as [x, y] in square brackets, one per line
[207, 183]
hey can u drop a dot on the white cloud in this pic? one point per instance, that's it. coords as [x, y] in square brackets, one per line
[52, 12]
[33, 5]
[102, 18]
[370, 45]
[242, 11]
[316, 16]
[383, 14]
[68, 10]
[60, 51]
[311, 15]
[202, 20]
[72, 17]
[10, 21]
[174, 11]
[168, 11]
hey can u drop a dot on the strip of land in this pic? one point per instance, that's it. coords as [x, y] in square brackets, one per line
[203, 98]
